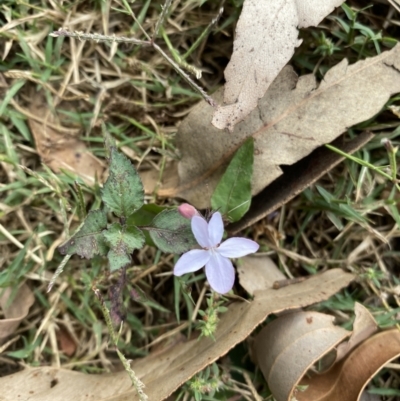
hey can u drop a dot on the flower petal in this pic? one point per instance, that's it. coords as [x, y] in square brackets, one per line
[237, 247]
[200, 231]
[191, 261]
[215, 229]
[220, 273]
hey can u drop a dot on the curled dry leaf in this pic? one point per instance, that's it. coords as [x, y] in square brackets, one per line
[287, 347]
[266, 36]
[293, 118]
[16, 310]
[348, 378]
[164, 372]
[364, 326]
[258, 273]
[291, 344]
[60, 151]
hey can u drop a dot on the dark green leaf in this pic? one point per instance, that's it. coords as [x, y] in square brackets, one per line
[126, 238]
[123, 190]
[122, 240]
[88, 240]
[143, 217]
[171, 232]
[232, 196]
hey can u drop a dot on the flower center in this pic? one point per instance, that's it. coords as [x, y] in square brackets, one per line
[212, 248]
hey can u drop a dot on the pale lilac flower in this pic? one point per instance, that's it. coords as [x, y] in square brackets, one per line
[188, 211]
[214, 255]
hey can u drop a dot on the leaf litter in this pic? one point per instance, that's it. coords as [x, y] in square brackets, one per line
[60, 151]
[163, 373]
[301, 338]
[305, 337]
[347, 379]
[257, 273]
[265, 38]
[295, 117]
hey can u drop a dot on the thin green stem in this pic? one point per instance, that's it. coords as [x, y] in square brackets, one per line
[132, 14]
[378, 170]
[161, 19]
[206, 31]
[114, 338]
[186, 77]
[178, 59]
[392, 152]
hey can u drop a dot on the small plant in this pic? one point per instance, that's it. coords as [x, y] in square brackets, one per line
[208, 324]
[111, 231]
[206, 383]
[123, 197]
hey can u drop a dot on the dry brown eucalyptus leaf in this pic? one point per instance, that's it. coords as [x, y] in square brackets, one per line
[266, 36]
[151, 179]
[364, 326]
[293, 118]
[348, 378]
[258, 273]
[16, 310]
[60, 151]
[165, 372]
[287, 347]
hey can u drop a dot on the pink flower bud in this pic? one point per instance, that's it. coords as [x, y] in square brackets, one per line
[187, 211]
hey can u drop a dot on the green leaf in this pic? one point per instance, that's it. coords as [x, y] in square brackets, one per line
[122, 240]
[335, 219]
[171, 232]
[143, 217]
[232, 196]
[123, 190]
[126, 238]
[118, 259]
[88, 240]
[10, 94]
[328, 197]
